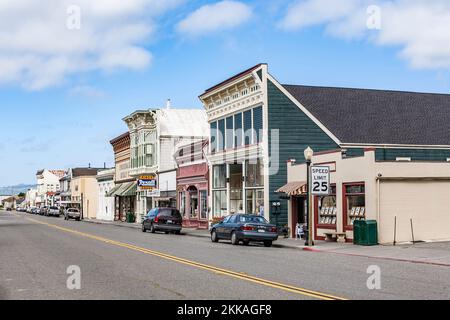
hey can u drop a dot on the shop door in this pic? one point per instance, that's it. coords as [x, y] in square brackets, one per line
[298, 213]
[427, 203]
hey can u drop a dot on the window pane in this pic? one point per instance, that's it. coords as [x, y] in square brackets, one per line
[356, 208]
[220, 176]
[255, 174]
[213, 137]
[355, 189]
[221, 135]
[257, 124]
[219, 203]
[229, 133]
[204, 204]
[255, 201]
[247, 127]
[238, 130]
[327, 210]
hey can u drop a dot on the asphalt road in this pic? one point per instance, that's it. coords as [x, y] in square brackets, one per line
[123, 263]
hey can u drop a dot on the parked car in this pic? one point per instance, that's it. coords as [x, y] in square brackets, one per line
[72, 213]
[53, 211]
[245, 228]
[163, 219]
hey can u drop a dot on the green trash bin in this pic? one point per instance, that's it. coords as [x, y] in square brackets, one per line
[130, 217]
[366, 233]
[357, 231]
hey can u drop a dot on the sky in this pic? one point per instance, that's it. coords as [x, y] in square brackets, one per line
[71, 70]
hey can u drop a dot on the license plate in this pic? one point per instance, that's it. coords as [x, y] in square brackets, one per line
[169, 221]
[261, 230]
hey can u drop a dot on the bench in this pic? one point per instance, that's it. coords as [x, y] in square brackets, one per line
[335, 236]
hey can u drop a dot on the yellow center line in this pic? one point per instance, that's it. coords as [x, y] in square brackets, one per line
[225, 272]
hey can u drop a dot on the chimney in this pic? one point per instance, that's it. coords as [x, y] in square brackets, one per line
[89, 165]
[104, 165]
[168, 104]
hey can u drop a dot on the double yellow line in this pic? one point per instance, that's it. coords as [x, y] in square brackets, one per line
[225, 272]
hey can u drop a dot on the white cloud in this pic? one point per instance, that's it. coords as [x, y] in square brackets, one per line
[219, 16]
[38, 50]
[86, 92]
[420, 28]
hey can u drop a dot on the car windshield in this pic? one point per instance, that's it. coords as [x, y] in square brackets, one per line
[73, 210]
[54, 208]
[252, 219]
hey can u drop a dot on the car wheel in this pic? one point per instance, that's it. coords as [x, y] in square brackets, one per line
[246, 243]
[152, 229]
[143, 228]
[178, 232]
[214, 237]
[234, 239]
[267, 244]
[166, 232]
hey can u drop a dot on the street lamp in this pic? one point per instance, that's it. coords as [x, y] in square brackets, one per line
[308, 232]
[276, 206]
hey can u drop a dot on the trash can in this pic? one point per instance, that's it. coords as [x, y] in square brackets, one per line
[357, 231]
[130, 217]
[365, 233]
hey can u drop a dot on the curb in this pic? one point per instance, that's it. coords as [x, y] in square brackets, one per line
[378, 257]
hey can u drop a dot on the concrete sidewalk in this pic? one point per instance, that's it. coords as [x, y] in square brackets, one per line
[434, 253]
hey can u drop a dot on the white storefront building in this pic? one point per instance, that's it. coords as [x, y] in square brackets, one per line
[106, 183]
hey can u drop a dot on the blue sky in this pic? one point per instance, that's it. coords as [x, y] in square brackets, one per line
[68, 120]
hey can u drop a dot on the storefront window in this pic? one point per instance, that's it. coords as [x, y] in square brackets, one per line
[255, 201]
[220, 203]
[183, 203]
[194, 204]
[327, 209]
[255, 174]
[220, 176]
[355, 203]
[236, 188]
[204, 204]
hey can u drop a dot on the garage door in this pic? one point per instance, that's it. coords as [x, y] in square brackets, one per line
[427, 203]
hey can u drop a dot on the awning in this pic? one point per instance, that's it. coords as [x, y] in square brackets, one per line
[294, 189]
[131, 191]
[112, 192]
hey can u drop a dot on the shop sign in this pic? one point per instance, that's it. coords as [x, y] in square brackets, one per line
[147, 182]
[320, 180]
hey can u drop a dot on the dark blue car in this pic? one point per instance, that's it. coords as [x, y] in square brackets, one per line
[245, 228]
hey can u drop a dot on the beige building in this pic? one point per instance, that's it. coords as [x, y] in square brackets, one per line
[84, 191]
[409, 200]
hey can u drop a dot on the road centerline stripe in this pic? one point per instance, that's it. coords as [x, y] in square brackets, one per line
[198, 265]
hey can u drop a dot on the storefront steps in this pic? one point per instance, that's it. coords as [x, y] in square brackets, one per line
[433, 253]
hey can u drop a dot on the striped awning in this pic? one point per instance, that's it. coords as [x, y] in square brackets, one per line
[130, 191]
[113, 191]
[294, 189]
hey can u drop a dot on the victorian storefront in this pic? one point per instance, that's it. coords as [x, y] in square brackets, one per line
[192, 184]
[124, 191]
[154, 135]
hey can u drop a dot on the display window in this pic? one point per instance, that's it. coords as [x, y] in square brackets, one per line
[326, 209]
[354, 203]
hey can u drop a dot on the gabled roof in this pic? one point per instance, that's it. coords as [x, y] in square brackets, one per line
[378, 117]
[235, 77]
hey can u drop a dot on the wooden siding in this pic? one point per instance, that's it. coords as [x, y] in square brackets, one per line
[388, 154]
[296, 132]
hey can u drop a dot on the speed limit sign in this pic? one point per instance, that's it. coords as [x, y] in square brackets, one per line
[320, 180]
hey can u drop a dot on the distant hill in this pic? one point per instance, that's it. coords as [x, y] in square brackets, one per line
[16, 189]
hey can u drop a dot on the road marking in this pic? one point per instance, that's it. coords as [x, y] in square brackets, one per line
[225, 272]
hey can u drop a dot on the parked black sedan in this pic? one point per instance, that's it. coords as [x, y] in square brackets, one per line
[163, 219]
[245, 228]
